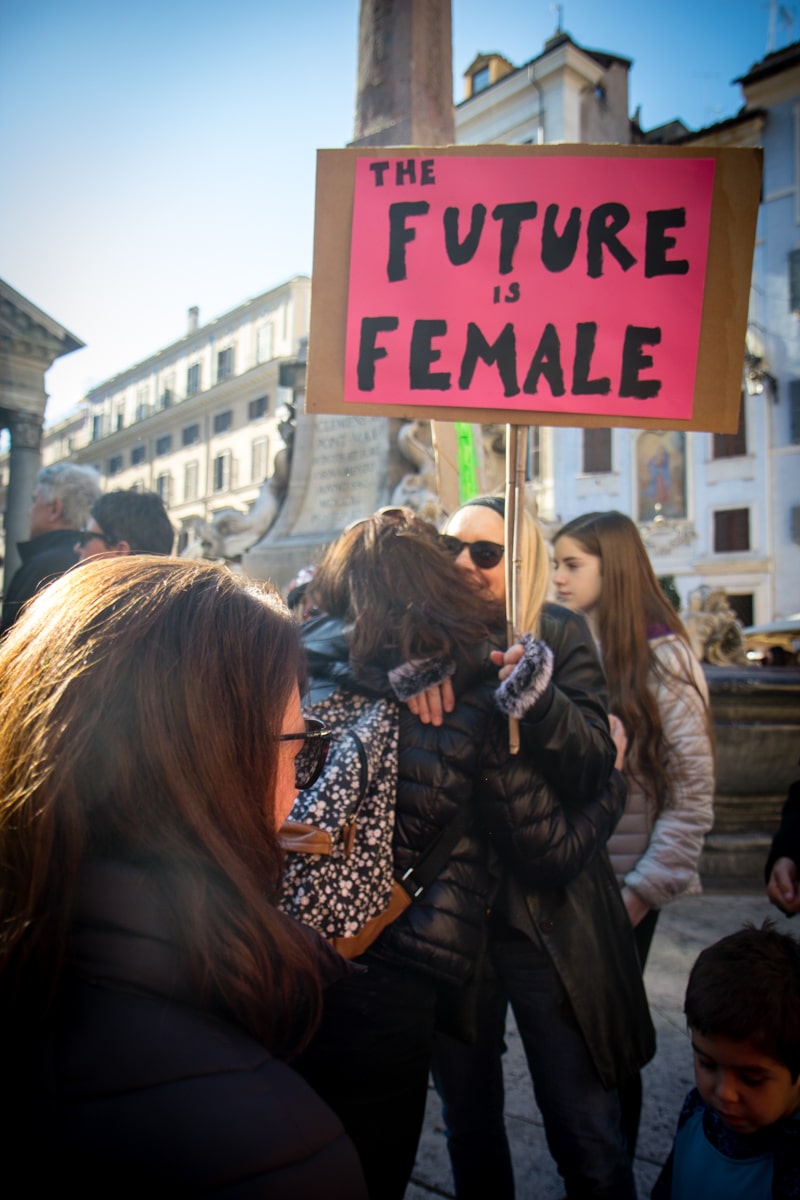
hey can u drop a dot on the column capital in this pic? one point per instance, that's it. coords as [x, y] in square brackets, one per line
[25, 430]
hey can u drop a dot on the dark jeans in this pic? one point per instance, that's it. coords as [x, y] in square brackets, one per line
[630, 1093]
[582, 1119]
[370, 1060]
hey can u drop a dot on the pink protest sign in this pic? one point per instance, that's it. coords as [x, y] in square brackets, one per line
[528, 284]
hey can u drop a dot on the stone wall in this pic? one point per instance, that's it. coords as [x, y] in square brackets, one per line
[756, 717]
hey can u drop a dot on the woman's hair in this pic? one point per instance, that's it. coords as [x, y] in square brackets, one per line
[631, 610]
[142, 702]
[535, 570]
[400, 591]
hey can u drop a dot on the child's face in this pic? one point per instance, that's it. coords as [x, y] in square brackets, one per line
[741, 1083]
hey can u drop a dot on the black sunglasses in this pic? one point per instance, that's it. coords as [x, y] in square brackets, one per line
[484, 555]
[309, 762]
[88, 535]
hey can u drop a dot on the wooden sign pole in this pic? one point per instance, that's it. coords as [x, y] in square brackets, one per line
[516, 458]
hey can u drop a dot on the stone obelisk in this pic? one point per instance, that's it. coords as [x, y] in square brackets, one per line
[344, 467]
[405, 74]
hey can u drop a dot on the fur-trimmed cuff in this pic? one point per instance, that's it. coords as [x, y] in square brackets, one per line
[416, 676]
[527, 682]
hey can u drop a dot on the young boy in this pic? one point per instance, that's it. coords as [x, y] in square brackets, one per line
[739, 1132]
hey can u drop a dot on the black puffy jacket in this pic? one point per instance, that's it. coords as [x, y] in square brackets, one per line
[544, 813]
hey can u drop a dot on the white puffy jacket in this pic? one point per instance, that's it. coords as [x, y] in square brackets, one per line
[657, 855]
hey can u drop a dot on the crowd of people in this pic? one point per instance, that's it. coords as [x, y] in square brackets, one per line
[169, 1027]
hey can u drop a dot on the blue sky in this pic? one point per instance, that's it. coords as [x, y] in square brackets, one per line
[161, 154]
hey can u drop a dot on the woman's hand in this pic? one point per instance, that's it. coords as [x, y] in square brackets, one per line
[506, 660]
[635, 907]
[620, 739]
[783, 889]
[430, 706]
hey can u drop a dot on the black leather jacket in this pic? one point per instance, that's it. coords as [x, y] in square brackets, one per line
[544, 813]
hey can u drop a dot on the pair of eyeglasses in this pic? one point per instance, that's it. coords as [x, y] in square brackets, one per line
[484, 555]
[311, 759]
[89, 535]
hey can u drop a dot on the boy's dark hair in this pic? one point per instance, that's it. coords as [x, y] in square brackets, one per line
[747, 987]
[138, 518]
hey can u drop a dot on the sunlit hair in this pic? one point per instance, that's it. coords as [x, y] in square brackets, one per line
[534, 578]
[390, 578]
[76, 487]
[747, 987]
[142, 700]
[631, 610]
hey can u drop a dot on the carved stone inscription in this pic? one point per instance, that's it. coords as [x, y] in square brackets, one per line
[346, 474]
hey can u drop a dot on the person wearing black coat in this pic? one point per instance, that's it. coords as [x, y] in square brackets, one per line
[61, 501]
[782, 868]
[550, 808]
[152, 995]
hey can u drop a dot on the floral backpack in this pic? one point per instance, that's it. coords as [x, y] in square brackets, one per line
[338, 838]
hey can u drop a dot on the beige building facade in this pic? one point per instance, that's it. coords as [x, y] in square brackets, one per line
[198, 421]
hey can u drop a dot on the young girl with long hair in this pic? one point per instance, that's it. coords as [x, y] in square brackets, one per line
[151, 743]
[658, 692]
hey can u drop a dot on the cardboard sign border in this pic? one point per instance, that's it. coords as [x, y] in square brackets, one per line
[718, 381]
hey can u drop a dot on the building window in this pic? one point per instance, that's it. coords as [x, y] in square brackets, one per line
[190, 435]
[190, 476]
[794, 411]
[222, 471]
[259, 456]
[138, 455]
[167, 394]
[115, 464]
[193, 379]
[264, 339]
[223, 421]
[596, 451]
[225, 364]
[731, 530]
[742, 605]
[257, 408]
[97, 426]
[164, 444]
[731, 445]
[119, 416]
[794, 280]
[164, 486]
[534, 452]
[480, 80]
[143, 402]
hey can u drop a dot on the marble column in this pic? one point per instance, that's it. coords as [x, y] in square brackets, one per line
[25, 430]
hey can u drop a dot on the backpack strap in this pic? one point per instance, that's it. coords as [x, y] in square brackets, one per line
[432, 861]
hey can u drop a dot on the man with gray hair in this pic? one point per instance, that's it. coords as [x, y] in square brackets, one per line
[61, 501]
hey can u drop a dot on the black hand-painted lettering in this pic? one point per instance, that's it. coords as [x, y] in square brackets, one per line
[422, 355]
[633, 361]
[400, 235]
[369, 352]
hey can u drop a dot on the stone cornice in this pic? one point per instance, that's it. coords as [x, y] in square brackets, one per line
[27, 332]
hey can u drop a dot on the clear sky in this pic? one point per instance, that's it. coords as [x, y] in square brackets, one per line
[161, 153]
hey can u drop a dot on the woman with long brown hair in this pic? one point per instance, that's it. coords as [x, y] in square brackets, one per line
[149, 985]
[401, 616]
[658, 692]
